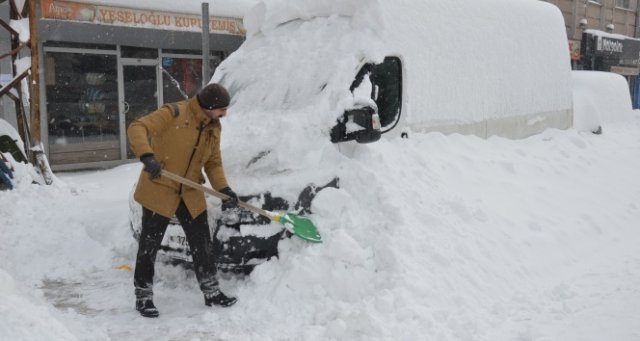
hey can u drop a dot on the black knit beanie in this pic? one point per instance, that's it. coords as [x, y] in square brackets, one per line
[213, 96]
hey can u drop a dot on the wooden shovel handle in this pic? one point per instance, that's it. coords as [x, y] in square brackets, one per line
[217, 194]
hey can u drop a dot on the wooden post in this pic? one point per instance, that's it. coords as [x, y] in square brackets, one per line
[38, 155]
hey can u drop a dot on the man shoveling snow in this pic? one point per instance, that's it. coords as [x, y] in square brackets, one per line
[182, 138]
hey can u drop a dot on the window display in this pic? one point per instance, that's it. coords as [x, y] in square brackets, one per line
[82, 107]
[182, 77]
[140, 93]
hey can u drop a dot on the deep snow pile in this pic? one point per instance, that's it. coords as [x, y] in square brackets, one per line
[292, 112]
[451, 238]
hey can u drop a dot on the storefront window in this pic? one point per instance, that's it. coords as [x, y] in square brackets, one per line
[140, 93]
[82, 107]
[181, 78]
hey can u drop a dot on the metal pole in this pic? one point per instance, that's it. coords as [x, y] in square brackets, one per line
[206, 73]
[574, 20]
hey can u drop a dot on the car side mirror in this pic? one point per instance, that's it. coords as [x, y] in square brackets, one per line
[362, 125]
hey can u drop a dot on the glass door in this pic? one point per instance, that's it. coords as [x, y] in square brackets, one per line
[140, 91]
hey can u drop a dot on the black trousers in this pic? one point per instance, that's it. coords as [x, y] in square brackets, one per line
[198, 236]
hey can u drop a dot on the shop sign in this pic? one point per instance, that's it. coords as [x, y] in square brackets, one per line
[609, 45]
[98, 14]
[624, 51]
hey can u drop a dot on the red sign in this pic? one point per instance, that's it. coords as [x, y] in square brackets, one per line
[574, 49]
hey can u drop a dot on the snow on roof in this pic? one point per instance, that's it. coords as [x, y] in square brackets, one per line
[291, 81]
[7, 129]
[268, 14]
[463, 62]
[609, 35]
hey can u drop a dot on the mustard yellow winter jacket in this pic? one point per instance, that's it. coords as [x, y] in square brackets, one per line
[184, 141]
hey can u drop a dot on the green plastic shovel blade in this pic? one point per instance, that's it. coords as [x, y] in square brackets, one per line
[302, 227]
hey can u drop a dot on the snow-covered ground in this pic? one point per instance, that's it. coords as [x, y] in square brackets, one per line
[432, 237]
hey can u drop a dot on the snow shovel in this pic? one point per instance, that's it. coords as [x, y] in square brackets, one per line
[298, 225]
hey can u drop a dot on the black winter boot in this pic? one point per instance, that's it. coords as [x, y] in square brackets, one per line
[219, 298]
[146, 308]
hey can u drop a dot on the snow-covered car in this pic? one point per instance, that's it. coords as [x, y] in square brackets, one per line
[10, 142]
[599, 98]
[242, 239]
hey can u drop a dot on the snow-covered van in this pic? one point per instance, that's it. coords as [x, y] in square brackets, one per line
[487, 67]
[315, 77]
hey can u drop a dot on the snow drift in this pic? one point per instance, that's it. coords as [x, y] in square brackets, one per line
[447, 237]
[600, 97]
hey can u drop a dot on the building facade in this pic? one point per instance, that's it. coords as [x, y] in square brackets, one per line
[101, 67]
[603, 36]
[612, 16]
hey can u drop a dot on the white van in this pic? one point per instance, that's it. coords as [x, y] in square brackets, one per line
[489, 67]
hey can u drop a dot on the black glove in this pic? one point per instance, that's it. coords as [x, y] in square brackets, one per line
[151, 165]
[231, 201]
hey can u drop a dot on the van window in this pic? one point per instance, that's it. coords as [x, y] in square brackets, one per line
[386, 91]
